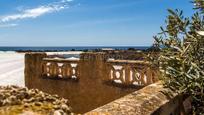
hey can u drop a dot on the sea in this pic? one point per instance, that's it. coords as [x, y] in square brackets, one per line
[72, 48]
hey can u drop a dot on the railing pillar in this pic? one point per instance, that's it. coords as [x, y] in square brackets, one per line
[33, 68]
[127, 75]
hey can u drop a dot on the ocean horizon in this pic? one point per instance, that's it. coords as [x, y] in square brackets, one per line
[67, 48]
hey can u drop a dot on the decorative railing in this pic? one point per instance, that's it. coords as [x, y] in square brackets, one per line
[60, 68]
[125, 72]
[129, 72]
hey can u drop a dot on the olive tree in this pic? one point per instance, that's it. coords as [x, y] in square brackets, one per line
[181, 56]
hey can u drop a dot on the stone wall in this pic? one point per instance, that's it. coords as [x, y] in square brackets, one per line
[150, 100]
[32, 72]
[87, 93]
[91, 92]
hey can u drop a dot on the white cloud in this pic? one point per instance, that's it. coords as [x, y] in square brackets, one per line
[67, 0]
[36, 12]
[8, 25]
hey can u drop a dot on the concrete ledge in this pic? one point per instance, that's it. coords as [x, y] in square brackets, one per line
[149, 100]
[129, 61]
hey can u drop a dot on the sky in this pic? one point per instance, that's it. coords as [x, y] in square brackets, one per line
[84, 22]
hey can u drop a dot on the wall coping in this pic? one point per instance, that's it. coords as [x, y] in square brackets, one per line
[129, 61]
[142, 102]
[60, 60]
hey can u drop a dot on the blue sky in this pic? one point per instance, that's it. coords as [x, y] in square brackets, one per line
[84, 22]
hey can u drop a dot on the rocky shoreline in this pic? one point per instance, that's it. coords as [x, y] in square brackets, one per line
[16, 100]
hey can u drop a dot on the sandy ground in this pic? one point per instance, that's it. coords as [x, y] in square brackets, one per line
[12, 67]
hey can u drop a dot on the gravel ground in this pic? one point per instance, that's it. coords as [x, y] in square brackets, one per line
[16, 100]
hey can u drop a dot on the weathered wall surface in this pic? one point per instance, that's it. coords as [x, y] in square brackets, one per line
[88, 93]
[150, 100]
[33, 69]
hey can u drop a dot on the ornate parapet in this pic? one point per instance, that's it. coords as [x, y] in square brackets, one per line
[132, 72]
[84, 81]
[60, 68]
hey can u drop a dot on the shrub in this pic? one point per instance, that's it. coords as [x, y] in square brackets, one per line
[181, 58]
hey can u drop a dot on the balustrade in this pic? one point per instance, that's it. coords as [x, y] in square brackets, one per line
[60, 68]
[126, 72]
[131, 72]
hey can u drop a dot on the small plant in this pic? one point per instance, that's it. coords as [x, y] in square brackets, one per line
[181, 56]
